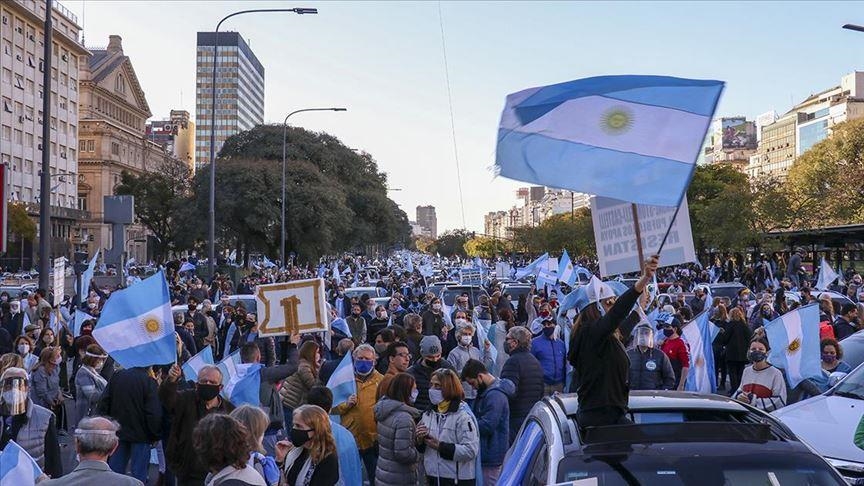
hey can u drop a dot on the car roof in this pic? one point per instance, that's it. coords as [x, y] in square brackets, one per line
[726, 284]
[663, 400]
[357, 289]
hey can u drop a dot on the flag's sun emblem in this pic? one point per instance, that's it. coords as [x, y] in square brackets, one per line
[152, 325]
[794, 345]
[617, 120]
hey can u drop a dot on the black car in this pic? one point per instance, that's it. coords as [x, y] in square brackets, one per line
[677, 438]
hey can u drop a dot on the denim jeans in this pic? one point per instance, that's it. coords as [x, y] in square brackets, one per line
[370, 462]
[136, 453]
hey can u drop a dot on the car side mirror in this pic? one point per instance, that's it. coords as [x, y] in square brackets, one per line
[835, 378]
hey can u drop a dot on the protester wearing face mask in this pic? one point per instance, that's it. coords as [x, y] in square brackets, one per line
[89, 383]
[309, 457]
[465, 351]
[187, 408]
[357, 414]
[31, 426]
[379, 322]
[762, 385]
[430, 361]
[523, 369]
[492, 410]
[650, 368]
[544, 314]
[24, 348]
[433, 319]
[350, 466]
[382, 341]
[45, 382]
[676, 350]
[295, 387]
[552, 355]
[832, 357]
[398, 457]
[448, 433]
[12, 319]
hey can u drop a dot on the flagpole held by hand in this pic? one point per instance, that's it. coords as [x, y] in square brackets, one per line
[671, 223]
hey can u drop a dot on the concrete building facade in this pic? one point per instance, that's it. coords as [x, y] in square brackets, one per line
[239, 90]
[176, 135]
[428, 220]
[21, 116]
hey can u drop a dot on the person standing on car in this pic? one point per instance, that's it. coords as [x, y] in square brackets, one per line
[650, 369]
[597, 355]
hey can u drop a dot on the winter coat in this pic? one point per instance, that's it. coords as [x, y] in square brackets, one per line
[45, 386]
[523, 369]
[360, 419]
[552, 355]
[186, 411]
[397, 452]
[737, 340]
[422, 374]
[456, 429]
[492, 409]
[650, 370]
[131, 398]
[295, 387]
[89, 386]
[433, 323]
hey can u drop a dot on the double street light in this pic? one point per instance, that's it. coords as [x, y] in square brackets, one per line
[284, 165]
[211, 260]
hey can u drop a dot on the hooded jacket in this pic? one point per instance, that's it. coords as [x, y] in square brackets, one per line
[456, 429]
[492, 409]
[397, 452]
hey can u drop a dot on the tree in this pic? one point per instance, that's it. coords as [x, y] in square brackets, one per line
[20, 223]
[452, 243]
[575, 233]
[721, 208]
[827, 178]
[159, 199]
[482, 246]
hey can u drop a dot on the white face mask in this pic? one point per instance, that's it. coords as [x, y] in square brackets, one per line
[414, 394]
[23, 349]
[436, 396]
[436, 307]
[465, 340]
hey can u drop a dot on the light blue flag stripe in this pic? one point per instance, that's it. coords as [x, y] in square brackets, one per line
[794, 339]
[532, 267]
[87, 276]
[79, 319]
[195, 363]
[17, 467]
[136, 326]
[341, 382]
[701, 377]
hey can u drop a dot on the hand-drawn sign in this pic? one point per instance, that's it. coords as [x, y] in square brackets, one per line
[291, 307]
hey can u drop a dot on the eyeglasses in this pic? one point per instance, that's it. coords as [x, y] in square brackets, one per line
[404, 355]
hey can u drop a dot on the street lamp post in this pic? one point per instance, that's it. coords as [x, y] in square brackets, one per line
[211, 257]
[45, 183]
[284, 144]
[857, 28]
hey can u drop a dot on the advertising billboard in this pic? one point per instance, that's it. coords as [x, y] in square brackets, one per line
[738, 133]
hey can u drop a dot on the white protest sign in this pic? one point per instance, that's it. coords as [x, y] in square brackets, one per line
[59, 279]
[502, 270]
[289, 307]
[615, 235]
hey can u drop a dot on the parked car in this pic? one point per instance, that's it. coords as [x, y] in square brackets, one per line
[677, 438]
[515, 291]
[437, 287]
[728, 291]
[359, 291]
[837, 300]
[828, 422]
[448, 294]
[248, 302]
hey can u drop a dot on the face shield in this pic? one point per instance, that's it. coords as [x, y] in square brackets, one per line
[13, 399]
[645, 337]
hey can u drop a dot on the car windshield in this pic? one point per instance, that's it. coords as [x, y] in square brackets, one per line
[852, 385]
[450, 294]
[647, 464]
[516, 292]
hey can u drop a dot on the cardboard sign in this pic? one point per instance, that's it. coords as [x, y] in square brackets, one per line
[615, 235]
[289, 307]
[59, 279]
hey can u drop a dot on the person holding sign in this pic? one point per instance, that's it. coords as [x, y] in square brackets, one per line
[597, 355]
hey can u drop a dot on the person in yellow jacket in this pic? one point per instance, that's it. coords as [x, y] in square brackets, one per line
[357, 412]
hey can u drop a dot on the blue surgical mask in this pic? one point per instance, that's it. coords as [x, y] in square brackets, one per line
[436, 396]
[363, 367]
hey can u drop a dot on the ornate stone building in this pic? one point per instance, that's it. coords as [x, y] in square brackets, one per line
[113, 139]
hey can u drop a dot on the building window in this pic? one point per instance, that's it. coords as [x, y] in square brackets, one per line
[120, 84]
[82, 202]
[115, 148]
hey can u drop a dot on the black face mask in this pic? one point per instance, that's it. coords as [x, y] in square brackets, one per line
[432, 364]
[299, 437]
[207, 392]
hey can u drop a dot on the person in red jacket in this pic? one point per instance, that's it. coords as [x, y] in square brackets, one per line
[676, 350]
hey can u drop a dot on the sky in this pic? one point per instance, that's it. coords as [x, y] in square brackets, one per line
[384, 62]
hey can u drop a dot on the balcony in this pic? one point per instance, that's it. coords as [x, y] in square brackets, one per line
[58, 212]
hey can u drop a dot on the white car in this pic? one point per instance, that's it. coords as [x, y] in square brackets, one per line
[359, 291]
[828, 422]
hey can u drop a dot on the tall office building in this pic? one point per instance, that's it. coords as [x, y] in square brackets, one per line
[21, 63]
[427, 220]
[239, 91]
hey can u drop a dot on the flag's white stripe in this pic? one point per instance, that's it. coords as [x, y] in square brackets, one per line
[792, 325]
[582, 120]
[129, 333]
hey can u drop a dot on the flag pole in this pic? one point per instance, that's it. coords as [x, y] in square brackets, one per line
[639, 236]
[669, 229]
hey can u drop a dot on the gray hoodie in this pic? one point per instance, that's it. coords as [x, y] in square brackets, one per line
[398, 457]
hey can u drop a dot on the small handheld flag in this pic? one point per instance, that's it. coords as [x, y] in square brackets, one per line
[794, 339]
[195, 363]
[341, 382]
[17, 467]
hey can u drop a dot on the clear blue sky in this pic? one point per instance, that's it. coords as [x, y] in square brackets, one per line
[383, 61]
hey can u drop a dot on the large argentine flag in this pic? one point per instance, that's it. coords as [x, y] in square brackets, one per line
[341, 382]
[533, 267]
[566, 272]
[87, 276]
[242, 381]
[633, 138]
[17, 467]
[136, 326]
[794, 339]
[195, 363]
[697, 333]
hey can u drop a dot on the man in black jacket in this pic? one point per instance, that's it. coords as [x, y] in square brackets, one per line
[132, 399]
[430, 353]
[187, 408]
[597, 355]
[523, 369]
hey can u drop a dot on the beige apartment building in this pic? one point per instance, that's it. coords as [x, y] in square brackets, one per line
[21, 94]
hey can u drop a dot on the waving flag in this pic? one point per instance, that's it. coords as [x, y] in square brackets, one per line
[632, 138]
[409, 263]
[827, 276]
[17, 467]
[341, 382]
[87, 276]
[546, 277]
[340, 325]
[566, 272]
[336, 275]
[533, 267]
[794, 339]
[697, 333]
[187, 267]
[195, 363]
[242, 381]
[136, 326]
